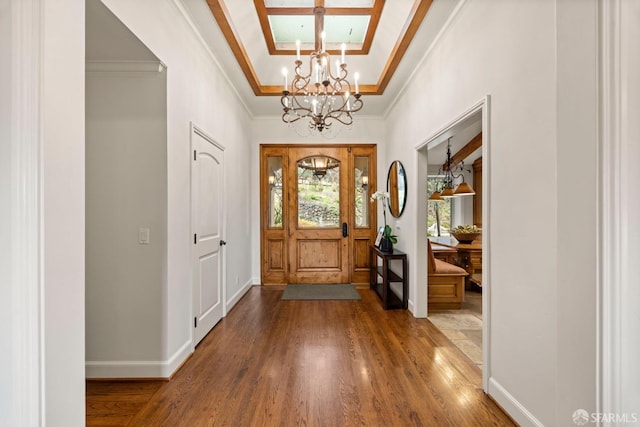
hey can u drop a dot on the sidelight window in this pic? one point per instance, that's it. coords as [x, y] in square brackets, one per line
[274, 165]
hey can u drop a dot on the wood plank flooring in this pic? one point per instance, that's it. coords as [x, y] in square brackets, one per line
[310, 363]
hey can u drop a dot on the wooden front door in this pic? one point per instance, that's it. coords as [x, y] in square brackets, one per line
[317, 222]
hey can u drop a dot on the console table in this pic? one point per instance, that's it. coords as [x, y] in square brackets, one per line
[382, 277]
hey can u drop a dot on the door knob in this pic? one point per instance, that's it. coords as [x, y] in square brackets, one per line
[222, 243]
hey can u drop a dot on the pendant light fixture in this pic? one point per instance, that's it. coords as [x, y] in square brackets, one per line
[448, 181]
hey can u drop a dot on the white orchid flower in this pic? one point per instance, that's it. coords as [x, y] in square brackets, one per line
[380, 195]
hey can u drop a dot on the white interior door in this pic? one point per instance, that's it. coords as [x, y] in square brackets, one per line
[207, 198]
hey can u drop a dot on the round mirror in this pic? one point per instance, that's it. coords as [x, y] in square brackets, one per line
[397, 188]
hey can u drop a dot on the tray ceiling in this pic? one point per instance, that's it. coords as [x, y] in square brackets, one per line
[253, 41]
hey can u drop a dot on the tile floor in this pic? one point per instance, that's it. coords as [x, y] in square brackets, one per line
[463, 327]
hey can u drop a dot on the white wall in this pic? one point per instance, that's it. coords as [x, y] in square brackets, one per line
[42, 213]
[630, 208]
[576, 171]
[5, 148]
[62, 136]
[196, 91]
[8, 362]
[126, 189]
[509, 51]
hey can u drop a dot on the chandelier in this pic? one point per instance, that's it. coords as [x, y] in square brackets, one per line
[322, 94]
[448, 182]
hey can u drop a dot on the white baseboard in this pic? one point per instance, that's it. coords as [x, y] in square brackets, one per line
[238, 295]
[138, 369]
[411, 307]
[509, 403]
[256, 281]
[151, 368]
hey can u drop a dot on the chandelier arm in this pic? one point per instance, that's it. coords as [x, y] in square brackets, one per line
[300, 83]
[343, 73]
[296, 105]
[286, 120]
[338, 118]
[356, 106]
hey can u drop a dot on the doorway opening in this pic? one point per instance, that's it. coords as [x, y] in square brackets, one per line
[316, 220]
[460, 311]
[126, 210]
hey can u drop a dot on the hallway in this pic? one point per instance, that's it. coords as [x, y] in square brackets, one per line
[315, 363]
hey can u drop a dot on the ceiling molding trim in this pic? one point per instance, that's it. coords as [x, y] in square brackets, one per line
[427, 54]
[263, 16]
[418, 12]
[221, 15]
[375, 15]
[185, 15]
[119, 66]
[372, 117]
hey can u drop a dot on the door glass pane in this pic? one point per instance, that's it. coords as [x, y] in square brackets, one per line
[318, 192]
[361, 204]
[274, 166]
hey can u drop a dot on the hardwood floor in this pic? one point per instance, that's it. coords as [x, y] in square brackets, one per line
[312, 363]
[115, 403]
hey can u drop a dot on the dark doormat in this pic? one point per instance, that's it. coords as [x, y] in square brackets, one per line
[320, 292]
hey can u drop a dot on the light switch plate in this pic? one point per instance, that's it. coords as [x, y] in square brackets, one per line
[143, 236]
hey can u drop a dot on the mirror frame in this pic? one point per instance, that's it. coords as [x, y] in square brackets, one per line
[401, 175]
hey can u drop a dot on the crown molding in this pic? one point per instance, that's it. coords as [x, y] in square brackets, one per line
[410, 81]
[185, 15]
[118, 66]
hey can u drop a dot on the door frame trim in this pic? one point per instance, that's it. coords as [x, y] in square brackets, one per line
[484, 107]
[285, 146]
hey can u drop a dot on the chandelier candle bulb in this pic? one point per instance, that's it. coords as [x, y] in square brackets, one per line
[344, 48]
[356, 77]
[284, 74]
[324, 69]
[347, 95]
[298, 50]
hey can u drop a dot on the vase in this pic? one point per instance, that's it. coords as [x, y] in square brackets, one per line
[386, 245]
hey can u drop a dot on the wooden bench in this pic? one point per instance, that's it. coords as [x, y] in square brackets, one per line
[446, 283]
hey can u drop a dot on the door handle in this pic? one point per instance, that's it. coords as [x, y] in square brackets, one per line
[345, 230]
[222, 243]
